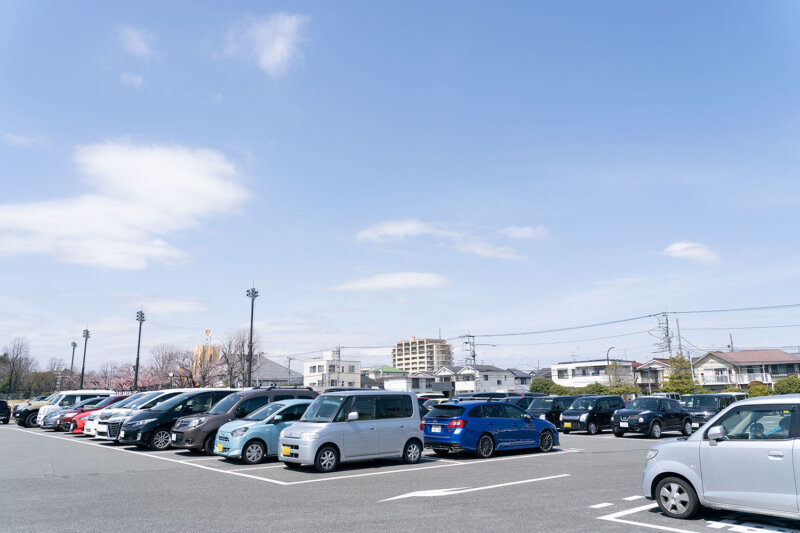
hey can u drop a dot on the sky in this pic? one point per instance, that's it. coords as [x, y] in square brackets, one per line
[385, 169]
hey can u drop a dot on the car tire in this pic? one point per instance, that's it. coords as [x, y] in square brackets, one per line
[565, 431]
[208, 444]
[485, 447]
[253, 452]
[619, 433]
[676, 498]
[30, 421]
[655, 430]
[592, 429]
[327, 459]
[159, 440]
[546, 441]
[6, 421]
[412, 452]
[687, 428]
[441, 453]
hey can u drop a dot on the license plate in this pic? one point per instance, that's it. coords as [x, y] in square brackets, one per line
[567, 424]
[436, 429]
[121, 434]
[623, 424]
[174, 437]
[695, 424]
[219, 447]
[285, 451]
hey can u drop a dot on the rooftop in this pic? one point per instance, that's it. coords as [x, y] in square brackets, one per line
[757, 357]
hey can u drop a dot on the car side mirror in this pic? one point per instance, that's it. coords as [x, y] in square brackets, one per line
[526, 417]
[715, 434]
[277, 418]
[353, 415]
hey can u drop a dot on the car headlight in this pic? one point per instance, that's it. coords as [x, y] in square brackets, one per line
[561, 417]
[309, 435]
[238, 432]
[140, 423]
[615, 412]
[641, 420]
[543, 417]
[651, 454]
[584, 416]
[194, 422]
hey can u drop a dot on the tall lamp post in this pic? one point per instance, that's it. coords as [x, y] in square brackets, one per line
[252, 294]
[72, 363]
[608, 364]
[139, 318]
[86, 336]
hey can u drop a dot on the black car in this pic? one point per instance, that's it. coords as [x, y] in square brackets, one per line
[5, 412]
[550, 408]
[652, 416]
[703, 406]
[522, 399]
[151, 427]
[590, 413]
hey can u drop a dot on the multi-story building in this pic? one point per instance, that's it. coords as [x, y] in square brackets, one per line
[418, 382]
[583, 373]
[205, 356]
[332, 371]
[422, 355]
[651, 375]
[717, 371]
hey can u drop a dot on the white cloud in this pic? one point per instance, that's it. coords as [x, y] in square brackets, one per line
[398, 280]
[484, 249]
[137, 42]
[24, 141]
[142, 194]
[131, 80]
[272, 43]
[692, 251]
[526, 232]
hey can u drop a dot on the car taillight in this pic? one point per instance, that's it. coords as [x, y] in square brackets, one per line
[458, 423]
[422, 425]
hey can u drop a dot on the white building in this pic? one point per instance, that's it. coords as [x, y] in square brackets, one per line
[484, 378]
[332, 371]
[418, 382]
[422, 355]
[583, 373]
[717, 371]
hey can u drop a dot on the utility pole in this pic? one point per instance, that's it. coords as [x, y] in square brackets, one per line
[252, 294]
[680, 348]
[86, 336]
[289, 366]
[139, 318]
[608, 365]
[469, 343]
[731, 336]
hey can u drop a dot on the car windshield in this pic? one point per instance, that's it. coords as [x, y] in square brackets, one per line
[265, 412]
[644, 403]
[445, 411]
[699, 402]
[169, 404]
[158, 400]
[225, 404]
[324, 408]
[130, 399]
[541, 403]
[107, 401]
[583, 403]
[90, 401]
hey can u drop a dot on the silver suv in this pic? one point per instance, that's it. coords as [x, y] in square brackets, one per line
[743, 459]
[354, 426]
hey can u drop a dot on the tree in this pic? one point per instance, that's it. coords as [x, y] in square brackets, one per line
[18, 364]
[165, 360]
[680, 377]
[733, 389]
[594, 388]
[542, 385]
[561, 390]
[624, 389]
[758, 389]
[788, 385]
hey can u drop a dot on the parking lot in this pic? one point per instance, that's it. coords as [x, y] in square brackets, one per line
[57, 482]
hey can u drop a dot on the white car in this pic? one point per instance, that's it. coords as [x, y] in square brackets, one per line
[69, 398]
[108, 424]
[90, 426]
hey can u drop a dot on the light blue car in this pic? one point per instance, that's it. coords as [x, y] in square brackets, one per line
[253, 438]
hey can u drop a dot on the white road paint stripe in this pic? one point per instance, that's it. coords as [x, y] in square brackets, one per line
[631, 498]
[385, 472]
[257, 468]
[616, 517]
[219, 459]
[600, 505]
[459, 490]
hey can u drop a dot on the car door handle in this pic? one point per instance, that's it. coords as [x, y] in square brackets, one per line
[775, 454]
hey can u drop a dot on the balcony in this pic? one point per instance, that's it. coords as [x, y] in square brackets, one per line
[744, 379]
[716, 379]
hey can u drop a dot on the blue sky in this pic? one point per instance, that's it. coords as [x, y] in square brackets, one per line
[384, 170]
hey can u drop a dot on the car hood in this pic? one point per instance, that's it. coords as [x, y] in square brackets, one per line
[234, 424]
[34, 405]
[703, 411]
[576, 412]
[633, 412]
[300, 427]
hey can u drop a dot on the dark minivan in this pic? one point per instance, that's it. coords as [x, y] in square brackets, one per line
[651, 416]
[5, 412]
[150, 427]
[198, 431]
[550, 408]
[590, 413]
[704, 406]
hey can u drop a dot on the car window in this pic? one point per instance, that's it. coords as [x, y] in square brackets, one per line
[279, 397]
[197, 404]
[494, 410]
[251, 404]
[391, 407]
[674, 405]
[602, 404]
[757, 422]
[68, 400]
[409, 407]
[365, 407]
[513, 411]
[293, 412]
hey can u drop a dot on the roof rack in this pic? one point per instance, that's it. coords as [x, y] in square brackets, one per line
[290, 387]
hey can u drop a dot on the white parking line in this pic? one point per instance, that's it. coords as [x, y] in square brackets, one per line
[462, 490]
[600, 505]
[203, 459]
[616, 517]
[257, 468]
[631, 498]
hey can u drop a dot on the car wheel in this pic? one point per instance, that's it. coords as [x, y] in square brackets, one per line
[412, 452]
[676, 498]
[687, 428]
[253, 452]
[30, 421]
[618, 433]
[441, 453]
[592, 428]
[208, 444]
[327, 459]
[485, 447]
[655, 430]
[6, 421]
[159, 440]
[546, 441]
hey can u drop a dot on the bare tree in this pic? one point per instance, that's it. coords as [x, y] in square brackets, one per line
[55, 364]
[233, 355]
[165, 360]
[107, 373]
[19, 362]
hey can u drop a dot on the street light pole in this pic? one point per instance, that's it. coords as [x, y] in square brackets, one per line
[252, 294]
[72, 362]
[86, 336]
[139, 318]
[608, 364]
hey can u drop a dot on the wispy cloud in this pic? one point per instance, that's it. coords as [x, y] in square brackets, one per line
[24, 141]
[272, 43]
[131, 80]
[692, 251]
[143, 193]
[137, 42]
[398, 280]
[484, 249]
[526, 232]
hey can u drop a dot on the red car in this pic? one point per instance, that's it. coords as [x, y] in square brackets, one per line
[65, 422]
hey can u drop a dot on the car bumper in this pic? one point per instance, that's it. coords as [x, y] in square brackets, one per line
[452, 446]
[573, 425]
[631, 427]
[89, 428]
[299, 451]
[188, 440]
[227, 446]
[134, 436]
[698, 421]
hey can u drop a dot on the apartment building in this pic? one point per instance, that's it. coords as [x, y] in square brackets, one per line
[422, 355]
[716, 371]
[583, 373]
[331, 371]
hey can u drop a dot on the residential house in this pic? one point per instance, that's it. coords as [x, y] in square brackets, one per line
[485, 378]
[650, 376]
[416, 382]
[522, 379]
[268, 372]
[583, 373]
[717, 371]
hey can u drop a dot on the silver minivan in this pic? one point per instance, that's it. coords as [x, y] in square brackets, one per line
[744, 459]
[354, 426]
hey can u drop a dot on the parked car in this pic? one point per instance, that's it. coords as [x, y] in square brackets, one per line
[50, 420]
[354, 426]
[741, 460]
[5, 412]
[24, 414]
[522, 399]
[151, 427]
[651, 416]
[90, 425]
[70, 398]
[109, 423]
[255, 437]
[198, 432]
[670, 395]
[65, 420]
[590, 413]
[550, 408]
[434, 401]
[482, 427]
[704, 406]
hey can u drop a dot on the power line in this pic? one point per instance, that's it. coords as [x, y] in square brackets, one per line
[745, 327]
[574, 340]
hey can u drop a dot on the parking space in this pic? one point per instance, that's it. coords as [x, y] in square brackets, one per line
[590, 483]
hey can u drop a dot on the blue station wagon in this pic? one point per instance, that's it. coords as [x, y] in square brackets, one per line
[485, 426]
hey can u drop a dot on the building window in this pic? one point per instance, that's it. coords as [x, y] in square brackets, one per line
[414, 383]
[563, 374]
[333, 383]
[351, 369]
[486, 378]
[498, 382]
[331, 368]
[351, 384]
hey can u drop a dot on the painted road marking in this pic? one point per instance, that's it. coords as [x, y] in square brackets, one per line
[617, 517]
[631, 498]
[600, 505]
[461, 490]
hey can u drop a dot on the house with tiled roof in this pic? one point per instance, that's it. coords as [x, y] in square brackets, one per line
[650, 376]
[716, 371]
